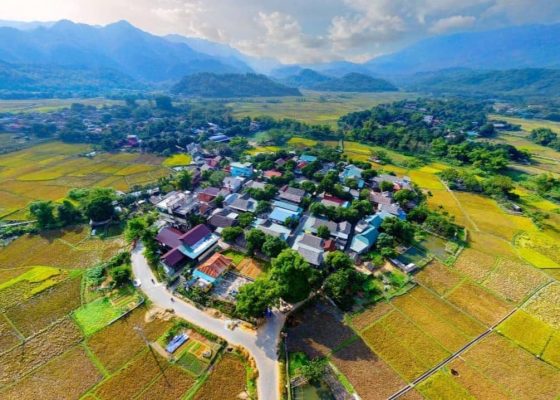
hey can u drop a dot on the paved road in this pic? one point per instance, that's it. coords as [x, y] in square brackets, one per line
[261, 345]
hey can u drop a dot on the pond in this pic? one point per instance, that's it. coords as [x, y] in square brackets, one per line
[312, 392]
[435, 246]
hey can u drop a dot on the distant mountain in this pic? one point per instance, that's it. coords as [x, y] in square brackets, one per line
[119, 46]
[353, 82]
[334, 69]
[305, 78]
[38, 81]
[231, 85]
[516, 82]
[529, 46]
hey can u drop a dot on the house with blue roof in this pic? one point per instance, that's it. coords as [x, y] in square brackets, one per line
[241, 169]
[281, 215]
[287, 206]
[307, 158]
[367, 232]
[352, 172]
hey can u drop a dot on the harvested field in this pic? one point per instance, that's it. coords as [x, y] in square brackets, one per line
[227, 380]
[514, 280]
[475, 264]
[479, 303]
[514, 369]
[119, 342]
[527, 331]
[317, 330]
[461, 320]
[442, 385]
[172, 385]
[250, 268]
[70, 375]
[38, 350]
[372, 378]
[545, 305]
[130, 381]
[8, 336]
[33, 315]
[364, 319]
[442, 330]
[438, 277]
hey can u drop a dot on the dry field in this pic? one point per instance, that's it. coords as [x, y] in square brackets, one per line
[366, 318]
[545, 305]
[8, 336]
[174, 383]
[438, 277]
[250, 268]
[38, 312]
[475, 264]
[119, 342]
[226, 382]
[37, 351]
[48, 171]
[66, 377]
[372, 378]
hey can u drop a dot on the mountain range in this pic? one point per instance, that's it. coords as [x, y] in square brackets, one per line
[351, 82]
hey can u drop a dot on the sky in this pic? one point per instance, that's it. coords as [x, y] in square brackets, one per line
[296, 31]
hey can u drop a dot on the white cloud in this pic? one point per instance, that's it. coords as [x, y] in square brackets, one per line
[456, 22]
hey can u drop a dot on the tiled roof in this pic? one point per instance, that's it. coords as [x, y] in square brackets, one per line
[169, 237]
[173, 257]
[195, 235]
[215, 265]
[311, 241]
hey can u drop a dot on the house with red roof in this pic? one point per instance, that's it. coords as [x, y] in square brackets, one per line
[213, 268]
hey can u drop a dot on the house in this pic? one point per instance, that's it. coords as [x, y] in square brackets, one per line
[175, 207]
[311, 248]
[219, 138]
[273, 229]
[173, 261]
[307, 158]
[241, 203]
[241, 169]
[214, 162]
[282, 215]
[394, 209]
[287, 206]
[333, 201]
[398, 183]
[255, 185]
[339, 231]
[169, 237]
[213, 268]
[366, 233]
[291, 194]
[197, 242]
[381, 198]
[352, 172]
[221, 219]
[272, 174]
[208, 194]
[233, 183]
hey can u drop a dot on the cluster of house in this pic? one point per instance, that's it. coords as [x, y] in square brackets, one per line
[286, 219]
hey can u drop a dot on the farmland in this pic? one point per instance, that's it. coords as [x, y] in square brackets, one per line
[46, 105]
[48, 171]
[313, 107]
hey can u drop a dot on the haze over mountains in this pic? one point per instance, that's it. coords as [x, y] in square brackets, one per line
[65, 57]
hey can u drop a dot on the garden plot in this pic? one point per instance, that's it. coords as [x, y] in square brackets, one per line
[38, 350]
[119, 342]
[193, 355]
[513, 280]
[227, 380]
[36, 313]
[250, 268]
[479, 303]
[514, 369]
[67, 376]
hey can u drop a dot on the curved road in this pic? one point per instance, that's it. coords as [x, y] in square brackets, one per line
[261, 344]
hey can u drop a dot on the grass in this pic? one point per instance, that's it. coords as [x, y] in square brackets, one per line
[235, 256]
[177, 160]
[296, 361]
[322, 108]
[263, 149]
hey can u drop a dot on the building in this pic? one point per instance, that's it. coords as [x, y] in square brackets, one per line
[332, 201]
[340, 232]
[233, 183]
[173, 262]
[307, 158]
[221, 219]
[213, 268]
[291, 194]
[208, 194]
[365, 234]
[272, 174]
[398, 183]
[198, 242]
[311, 248]
[243, 203]
[241, 169]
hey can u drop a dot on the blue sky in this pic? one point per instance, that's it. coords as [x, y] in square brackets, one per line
[296, 31]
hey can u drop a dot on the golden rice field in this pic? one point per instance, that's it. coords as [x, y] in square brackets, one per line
[529, 124]
[48, 171]
[177, 160]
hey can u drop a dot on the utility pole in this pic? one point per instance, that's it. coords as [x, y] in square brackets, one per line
[141, 333]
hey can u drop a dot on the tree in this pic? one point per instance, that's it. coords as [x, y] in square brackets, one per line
[68, 213]
[134, 228]
[231, 233]
[404, 196]
[99, 205]
[273, 246]
[120, 275]
[184, 180]
[245, 219]
[262, 207]
[219, 201]
[314, 370]
[255, 239]
[43, 212]
[216, 178]
[323, 232]
[164, 103]
[255, 298]
[337, 260]
[342, 287]
[294, 276]
[403, 231]
[386, 186]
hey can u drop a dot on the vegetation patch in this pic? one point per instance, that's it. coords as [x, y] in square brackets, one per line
[539, 249]
[68, 376]
[8, 336]
[552, 351]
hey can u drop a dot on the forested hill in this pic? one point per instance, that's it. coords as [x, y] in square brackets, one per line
[231, 85]
[355, 82]
[517, 82]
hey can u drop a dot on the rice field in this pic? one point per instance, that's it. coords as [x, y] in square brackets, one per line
[48, 171]
[545, 305]
[527, 331]
[226, 381]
